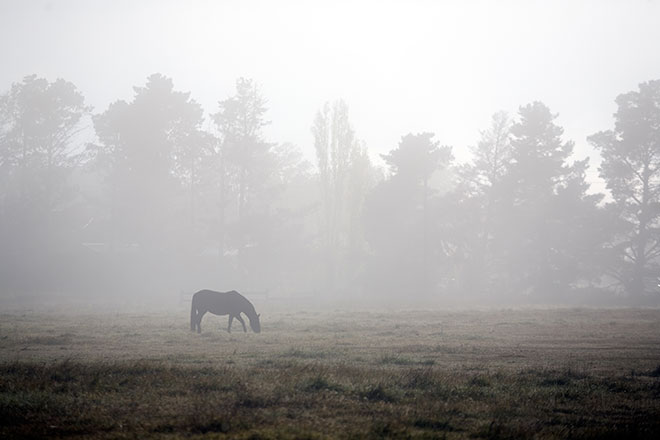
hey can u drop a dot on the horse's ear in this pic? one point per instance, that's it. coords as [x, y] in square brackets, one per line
[258, 315]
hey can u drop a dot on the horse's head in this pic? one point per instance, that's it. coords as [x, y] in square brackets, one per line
[254, 323]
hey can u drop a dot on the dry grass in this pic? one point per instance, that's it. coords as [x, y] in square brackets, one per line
[567, 373]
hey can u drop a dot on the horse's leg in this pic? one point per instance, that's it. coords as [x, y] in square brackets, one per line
[231, 318]
[199, 320]
[193, 316]
[241, 321]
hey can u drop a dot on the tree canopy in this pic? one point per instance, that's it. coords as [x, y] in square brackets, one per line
[631, 168]
[167, 195]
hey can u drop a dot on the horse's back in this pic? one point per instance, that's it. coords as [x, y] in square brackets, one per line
[219, 303]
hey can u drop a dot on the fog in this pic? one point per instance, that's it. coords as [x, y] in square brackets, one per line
[409, 153]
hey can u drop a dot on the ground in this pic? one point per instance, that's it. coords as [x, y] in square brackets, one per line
[332, 373]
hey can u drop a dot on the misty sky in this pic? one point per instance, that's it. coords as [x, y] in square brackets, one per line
[402, 67]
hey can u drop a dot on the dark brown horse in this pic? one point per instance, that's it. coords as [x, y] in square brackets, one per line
[222, 303]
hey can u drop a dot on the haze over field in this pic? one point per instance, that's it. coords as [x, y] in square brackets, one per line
[402, 66]
[432, 151]
[329, 219]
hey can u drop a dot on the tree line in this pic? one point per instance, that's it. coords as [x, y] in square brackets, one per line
[167, 198]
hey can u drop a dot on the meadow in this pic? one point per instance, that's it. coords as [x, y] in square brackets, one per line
[332, 373]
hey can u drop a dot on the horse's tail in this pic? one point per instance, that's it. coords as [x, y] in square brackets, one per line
[193, 313]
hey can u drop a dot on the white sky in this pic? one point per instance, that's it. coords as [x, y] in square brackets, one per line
[402, 66]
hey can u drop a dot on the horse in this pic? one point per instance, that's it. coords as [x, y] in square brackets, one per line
[229, 303]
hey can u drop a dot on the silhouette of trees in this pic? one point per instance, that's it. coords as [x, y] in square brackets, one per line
[491, 160]
[482, 194]
[363, 177]
[247, 158]
[345, 175]
[39, 125]
[39, 120]
[407, 241]
[144, 146]
[158, 201]
[549, 211]
[255, 220]
[631, 167]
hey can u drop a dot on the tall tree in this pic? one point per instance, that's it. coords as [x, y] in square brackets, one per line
[244, 153]
[345, 174]
[631, 168]
[550, 214]
[491, 156]
[250, 181]
[40, 124]
[481, 193]
[145, 144]
[335, 144]
[400, 226]
[362, 178]
[283, 256]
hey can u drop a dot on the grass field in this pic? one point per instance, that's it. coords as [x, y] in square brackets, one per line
[547, 373]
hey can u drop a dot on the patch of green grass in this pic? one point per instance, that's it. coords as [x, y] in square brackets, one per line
[433, 424]
[396, 360]
[320, 383]
[378, 393]
[304, 354]
[560, 379]
[480, 381]
[419, 378]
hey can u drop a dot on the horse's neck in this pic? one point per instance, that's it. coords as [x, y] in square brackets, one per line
[250, 312]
